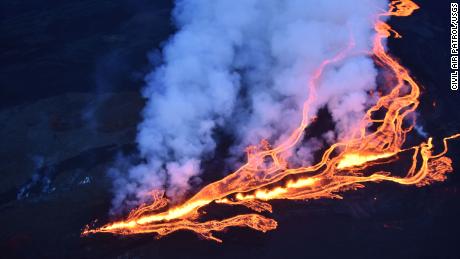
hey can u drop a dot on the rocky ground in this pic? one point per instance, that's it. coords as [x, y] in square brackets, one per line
[71, 103]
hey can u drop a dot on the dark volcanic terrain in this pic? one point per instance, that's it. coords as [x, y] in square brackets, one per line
[70, 82]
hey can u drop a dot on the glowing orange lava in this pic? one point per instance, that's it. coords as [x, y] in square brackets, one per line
[341, 167]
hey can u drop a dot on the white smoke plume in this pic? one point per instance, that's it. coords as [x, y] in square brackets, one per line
[244, 67]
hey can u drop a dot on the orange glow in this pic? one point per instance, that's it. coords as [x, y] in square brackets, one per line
[344, 166]
[357, 159]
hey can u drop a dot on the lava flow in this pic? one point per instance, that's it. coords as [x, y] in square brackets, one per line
[342, 166]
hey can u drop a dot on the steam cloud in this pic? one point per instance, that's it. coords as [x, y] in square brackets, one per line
[243, 67]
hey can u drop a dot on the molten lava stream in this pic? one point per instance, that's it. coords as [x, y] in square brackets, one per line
[341, 167]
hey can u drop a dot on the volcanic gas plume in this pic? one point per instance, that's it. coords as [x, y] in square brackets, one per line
[262, 69]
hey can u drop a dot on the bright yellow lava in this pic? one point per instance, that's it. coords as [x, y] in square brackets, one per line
[354, 159]
[174, 213]
[278, 191]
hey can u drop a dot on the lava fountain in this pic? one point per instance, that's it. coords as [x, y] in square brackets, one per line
[345, 165]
